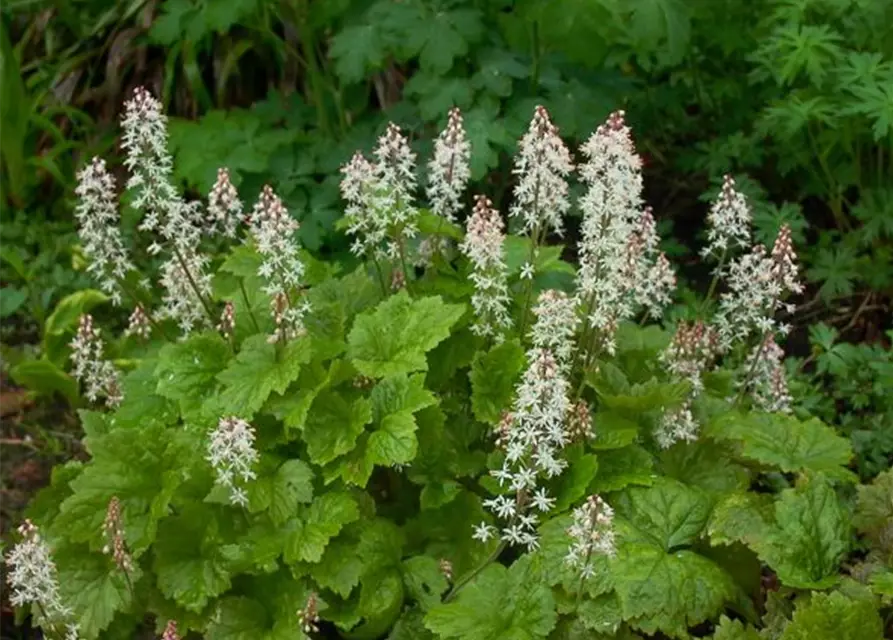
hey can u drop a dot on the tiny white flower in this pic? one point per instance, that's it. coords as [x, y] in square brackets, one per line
[527, 271]
[542, 501]
[483, 532]
[728, 222]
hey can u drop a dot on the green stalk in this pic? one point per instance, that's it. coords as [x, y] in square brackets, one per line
[248, 305]
[471, 576]
[531, 260]
[194, 286]
[714, 282]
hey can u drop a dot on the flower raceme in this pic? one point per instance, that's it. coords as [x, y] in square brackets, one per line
[542, 167]
[33, 579]
[99, 376]
[97, 216]
[232, 454]
[483, 246]
[448, 169]
[273, 232]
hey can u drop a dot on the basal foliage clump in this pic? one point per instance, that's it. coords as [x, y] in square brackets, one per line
[457, 434]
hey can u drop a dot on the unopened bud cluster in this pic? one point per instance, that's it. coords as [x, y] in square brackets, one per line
[113, 530]
[170, 631]
[224, 207]
[308, 617]
[138, 324]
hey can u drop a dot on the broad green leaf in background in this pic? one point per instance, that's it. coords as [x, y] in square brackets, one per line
[11, 299]
[44, 377]
[786, 442]
[835, 615]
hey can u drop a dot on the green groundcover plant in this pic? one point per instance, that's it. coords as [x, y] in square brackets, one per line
[455, 435]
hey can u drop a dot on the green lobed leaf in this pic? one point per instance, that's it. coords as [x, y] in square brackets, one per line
[393, 338]
[613, 430]
[669, 592]
[141, 403]
[810, 536]
[186, 370]
[499, 604]
[622, 467]
[238, 618]
[874, 508]
[667, 514]
[319, 523]
[424, 580]
[291, 486]
[394, 401]
[189, 560]
[334, 424]
[728, 629]
[258, 370]
[705, 464]
[142, 469]
[93, 586]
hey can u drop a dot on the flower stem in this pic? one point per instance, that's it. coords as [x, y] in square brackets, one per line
[193, 284]
[471, 576]
[248, 305]
[714, 281]
[528, 294]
